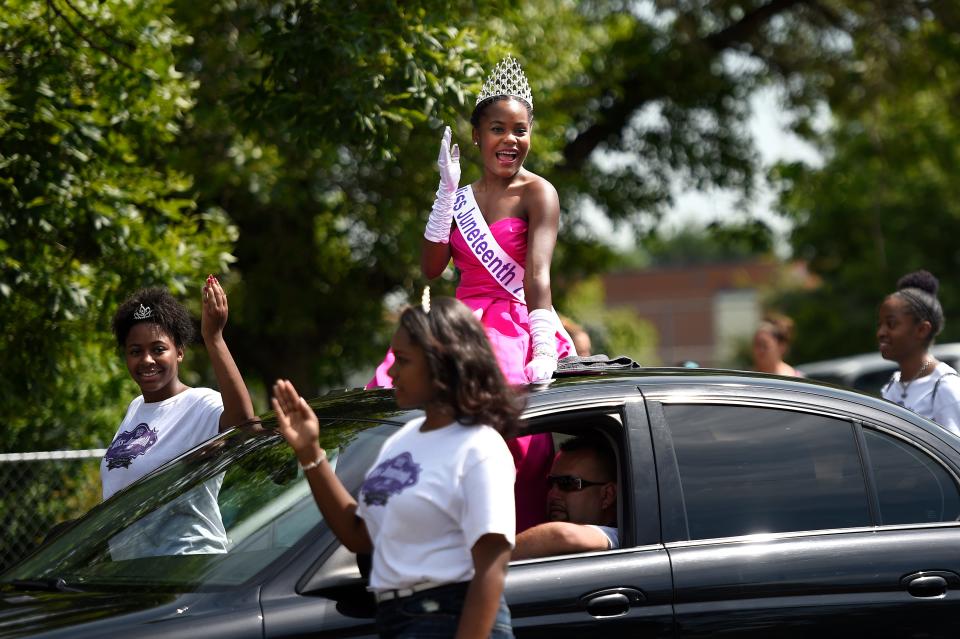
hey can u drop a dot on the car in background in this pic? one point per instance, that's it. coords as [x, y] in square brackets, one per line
[749, 506]
[869, 372]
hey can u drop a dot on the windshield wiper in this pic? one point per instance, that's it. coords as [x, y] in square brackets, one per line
[53, 584]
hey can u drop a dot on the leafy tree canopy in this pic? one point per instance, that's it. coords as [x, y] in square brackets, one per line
[89, 208]
[886, 202]
[146, 143]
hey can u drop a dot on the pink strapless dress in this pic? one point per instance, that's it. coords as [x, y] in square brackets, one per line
[508, 328]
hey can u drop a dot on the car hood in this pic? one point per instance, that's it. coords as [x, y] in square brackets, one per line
[81, 615]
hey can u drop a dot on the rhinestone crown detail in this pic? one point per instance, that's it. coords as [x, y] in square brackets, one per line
[507, 78]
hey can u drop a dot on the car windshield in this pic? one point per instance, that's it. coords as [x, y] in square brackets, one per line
[212, 519]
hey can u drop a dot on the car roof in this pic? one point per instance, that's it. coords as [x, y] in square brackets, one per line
[850, 366]
[573, 387]
[378, 404]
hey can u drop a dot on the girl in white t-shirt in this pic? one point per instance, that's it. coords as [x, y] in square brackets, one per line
[908, 321]
[436, 510]
[168, 418]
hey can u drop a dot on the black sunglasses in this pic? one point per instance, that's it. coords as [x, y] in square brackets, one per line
[571, 483]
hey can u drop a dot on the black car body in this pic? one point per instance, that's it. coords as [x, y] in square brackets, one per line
[750, 506]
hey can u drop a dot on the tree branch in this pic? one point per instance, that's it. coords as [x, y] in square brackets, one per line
[740, 31]
[129, 45]
[611, 120]
[80, 34]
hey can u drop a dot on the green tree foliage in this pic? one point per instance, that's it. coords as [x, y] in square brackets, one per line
[89, 208]
[128, 134]
[317, 129]
[668, 98]
[886, 202]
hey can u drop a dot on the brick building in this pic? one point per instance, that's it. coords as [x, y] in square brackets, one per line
[701, 312]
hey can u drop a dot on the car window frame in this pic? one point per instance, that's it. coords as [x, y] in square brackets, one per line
[673, 510]
[870, 474]
[638, 492]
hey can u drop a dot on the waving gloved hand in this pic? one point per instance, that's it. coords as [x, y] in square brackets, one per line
[543, 335]
[449, 163]
[441, 216]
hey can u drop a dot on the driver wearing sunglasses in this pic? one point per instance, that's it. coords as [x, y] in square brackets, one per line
[581, 503]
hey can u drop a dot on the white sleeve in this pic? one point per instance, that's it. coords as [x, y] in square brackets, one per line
[488, 504]
[946, 412]
[612, 535]
[208, 409]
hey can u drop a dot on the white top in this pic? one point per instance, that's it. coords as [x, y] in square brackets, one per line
[430, 496]
[150, 435]
[919, 396]
[611, 533]
[191, 524]
[153, 433]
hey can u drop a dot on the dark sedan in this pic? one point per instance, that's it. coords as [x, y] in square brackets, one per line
[750, 506]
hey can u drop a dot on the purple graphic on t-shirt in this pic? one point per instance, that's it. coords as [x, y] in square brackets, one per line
[129, 445]
[389, 478]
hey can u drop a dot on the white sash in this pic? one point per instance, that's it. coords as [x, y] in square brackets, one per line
[503, 268]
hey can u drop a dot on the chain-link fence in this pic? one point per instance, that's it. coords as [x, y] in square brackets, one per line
[39, 491]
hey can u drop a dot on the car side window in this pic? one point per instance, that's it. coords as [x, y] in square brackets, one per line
[746, 470]
[912, 487]
[580, 491]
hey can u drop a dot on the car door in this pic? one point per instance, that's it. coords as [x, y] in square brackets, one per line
[624, 592]
[792, 522]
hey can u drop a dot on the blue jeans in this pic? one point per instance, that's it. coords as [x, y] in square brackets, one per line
[433, 613]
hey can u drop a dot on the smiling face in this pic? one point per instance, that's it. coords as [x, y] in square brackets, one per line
[153, 360]
[899, 334]
[503, 136]
[410, 372]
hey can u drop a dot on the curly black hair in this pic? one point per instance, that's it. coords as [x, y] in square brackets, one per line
[482, 106]
[463, 368]
[160, 308]
[919, 290]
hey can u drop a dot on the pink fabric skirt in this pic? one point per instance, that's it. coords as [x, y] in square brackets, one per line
[507, 326]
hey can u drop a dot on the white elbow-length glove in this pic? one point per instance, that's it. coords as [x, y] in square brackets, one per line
[441, 216]
[543, 335]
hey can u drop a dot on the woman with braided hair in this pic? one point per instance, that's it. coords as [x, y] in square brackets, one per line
[909, 320]
[500, 232]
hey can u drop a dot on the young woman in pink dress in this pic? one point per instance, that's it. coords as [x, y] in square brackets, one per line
[522, 211]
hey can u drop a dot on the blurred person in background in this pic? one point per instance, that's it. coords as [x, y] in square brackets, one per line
[580, 337]
[908, 322]
[771, 343]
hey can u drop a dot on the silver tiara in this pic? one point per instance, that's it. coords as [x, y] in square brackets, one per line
[142, 313]
[507, 78]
